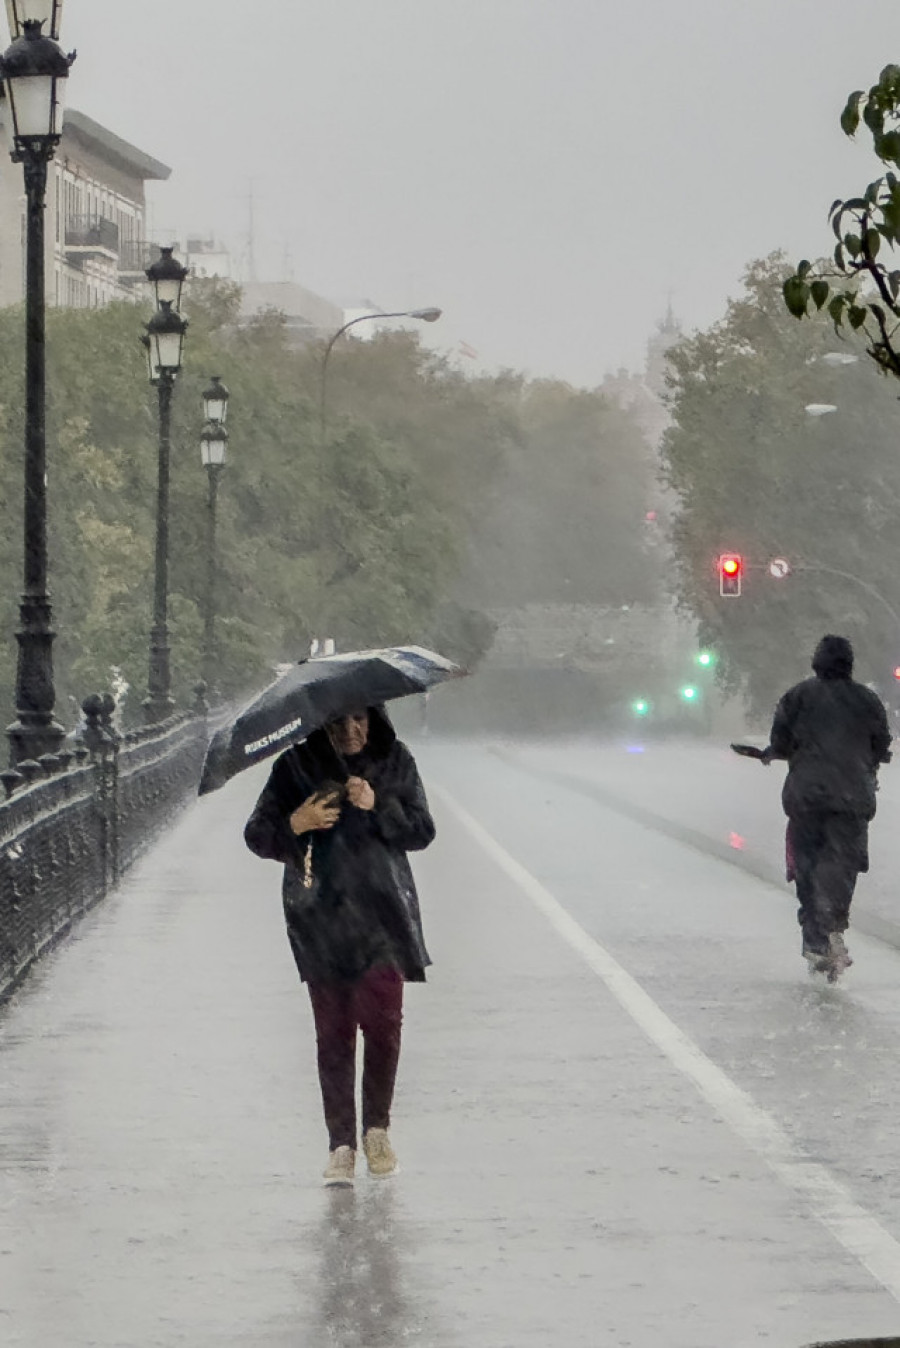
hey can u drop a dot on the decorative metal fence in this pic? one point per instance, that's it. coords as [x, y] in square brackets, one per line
[72, 823]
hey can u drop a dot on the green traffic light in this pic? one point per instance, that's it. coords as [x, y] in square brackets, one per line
[705, 658]
[689, 694]
[641, 707]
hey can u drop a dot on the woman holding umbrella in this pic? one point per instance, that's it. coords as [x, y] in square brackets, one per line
[340, 811]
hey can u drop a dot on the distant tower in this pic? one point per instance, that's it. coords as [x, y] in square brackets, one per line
[247, 264]
[667, 334]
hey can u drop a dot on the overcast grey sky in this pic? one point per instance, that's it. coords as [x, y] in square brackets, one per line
[545, 170]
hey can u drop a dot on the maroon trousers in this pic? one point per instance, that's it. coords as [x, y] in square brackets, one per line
[373, 1004]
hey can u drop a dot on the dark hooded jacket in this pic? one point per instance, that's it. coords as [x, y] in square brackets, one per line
[361, 907]
[834, 733]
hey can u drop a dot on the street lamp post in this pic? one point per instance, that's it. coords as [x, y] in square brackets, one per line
[165, 334]
[213, 451]
[429, 315]
[33, 70]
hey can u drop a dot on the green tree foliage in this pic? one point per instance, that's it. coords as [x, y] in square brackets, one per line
[860, 287]
[755, 473]
[341, 539]
[369, 533]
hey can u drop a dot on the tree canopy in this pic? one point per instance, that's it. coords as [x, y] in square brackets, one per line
[375, 532]
[757, 473]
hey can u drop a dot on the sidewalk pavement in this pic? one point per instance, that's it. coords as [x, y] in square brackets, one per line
[161, 1141]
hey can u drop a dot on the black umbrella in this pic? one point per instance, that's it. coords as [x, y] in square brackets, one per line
[313, 693]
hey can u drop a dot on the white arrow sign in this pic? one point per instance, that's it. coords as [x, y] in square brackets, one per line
[779, 568]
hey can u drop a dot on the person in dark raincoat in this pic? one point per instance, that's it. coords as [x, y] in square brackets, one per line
[341, 811]
[834, 734]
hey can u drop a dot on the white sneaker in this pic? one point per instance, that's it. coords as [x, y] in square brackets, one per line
[339, 1172]
[379, 1153]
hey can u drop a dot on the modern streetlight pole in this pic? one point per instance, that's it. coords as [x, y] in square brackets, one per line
[165, 333]
[33, 70]
[430, 315]
[213, 452]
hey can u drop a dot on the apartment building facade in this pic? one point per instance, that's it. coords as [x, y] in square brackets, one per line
[95, 220]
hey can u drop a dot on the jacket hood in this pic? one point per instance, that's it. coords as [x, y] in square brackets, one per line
[381, 739]
[833, 658]
[381, 732]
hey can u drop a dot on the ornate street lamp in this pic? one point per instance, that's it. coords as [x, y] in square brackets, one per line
[429, 315]
[165, 338]
[213, 451]
[48, 13]
[166, 331]
[34, 69]
[167, 278]
[215, 401]
[213, 445]
[152, 371]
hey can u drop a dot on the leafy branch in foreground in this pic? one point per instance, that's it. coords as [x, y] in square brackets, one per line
[860, 290]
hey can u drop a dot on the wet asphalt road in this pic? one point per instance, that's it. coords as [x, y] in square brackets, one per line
[565, 1180]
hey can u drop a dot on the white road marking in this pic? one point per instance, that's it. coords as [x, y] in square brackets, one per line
[829, 1200]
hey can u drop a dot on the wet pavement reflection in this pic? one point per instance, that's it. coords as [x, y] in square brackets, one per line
[361, 1294]
[561, 1184]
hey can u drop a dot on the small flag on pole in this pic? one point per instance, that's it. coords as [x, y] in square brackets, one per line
[468, 351]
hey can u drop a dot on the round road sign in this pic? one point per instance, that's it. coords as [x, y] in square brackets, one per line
[779, 568]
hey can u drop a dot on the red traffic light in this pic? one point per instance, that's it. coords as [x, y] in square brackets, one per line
[897, 673]
[730, 568]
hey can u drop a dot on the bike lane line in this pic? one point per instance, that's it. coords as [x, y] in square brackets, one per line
[860, 1234]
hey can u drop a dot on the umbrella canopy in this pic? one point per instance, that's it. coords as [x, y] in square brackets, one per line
[313, 693]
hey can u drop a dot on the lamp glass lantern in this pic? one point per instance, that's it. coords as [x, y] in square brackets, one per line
[167, 278]
[213, 445]
[429, 315]
[48, 13]
[166, 331]
[152, 370]
[215, 400]
[34, 70]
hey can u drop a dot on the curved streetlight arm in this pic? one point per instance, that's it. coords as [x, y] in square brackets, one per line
[848, 575]
[428, 315]
[360, 318]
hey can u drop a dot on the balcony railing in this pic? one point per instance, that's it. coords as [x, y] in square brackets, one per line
[136, 255]
[92, 234]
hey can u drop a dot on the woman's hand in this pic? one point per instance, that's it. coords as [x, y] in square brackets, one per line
[360, 793]
[317, 812]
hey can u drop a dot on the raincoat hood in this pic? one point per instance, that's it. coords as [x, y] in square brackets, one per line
[381, 739]
[833, 658]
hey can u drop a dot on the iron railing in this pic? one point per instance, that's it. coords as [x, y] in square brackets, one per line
[75, 821]
[136, 255]
[92, 231]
